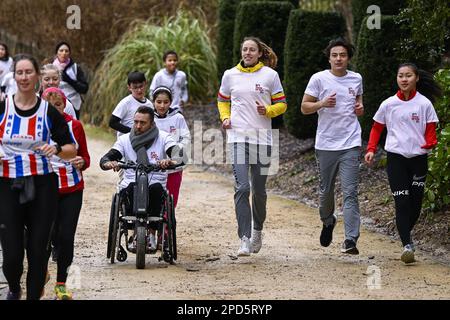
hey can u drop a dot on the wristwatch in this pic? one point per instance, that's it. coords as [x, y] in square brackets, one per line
[58, 148]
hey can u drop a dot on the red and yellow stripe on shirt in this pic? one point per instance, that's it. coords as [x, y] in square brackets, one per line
[278, 105]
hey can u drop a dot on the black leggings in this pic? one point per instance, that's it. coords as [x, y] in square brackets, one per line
[407, 181]
[37, 216]
[69, 207]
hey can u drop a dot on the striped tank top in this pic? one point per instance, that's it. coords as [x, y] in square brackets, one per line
[19, 137]
[68, 175]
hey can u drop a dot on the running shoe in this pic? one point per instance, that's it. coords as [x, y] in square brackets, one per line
[349, 247]
[244, 249]
[14, 295]
[256, 241]
[61, 292]
[326, 236]
[408, 254]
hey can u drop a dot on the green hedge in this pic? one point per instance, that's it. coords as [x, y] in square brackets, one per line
[438, 180]
[266, 20]
[377, 64]
[225, 31]
[359, 11]
[308, 34]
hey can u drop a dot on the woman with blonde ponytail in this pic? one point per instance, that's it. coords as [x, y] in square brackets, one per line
[250, 95]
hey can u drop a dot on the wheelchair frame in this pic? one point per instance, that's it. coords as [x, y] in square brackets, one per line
[121, 221]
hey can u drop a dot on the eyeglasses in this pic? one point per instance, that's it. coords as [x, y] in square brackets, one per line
[139, 87]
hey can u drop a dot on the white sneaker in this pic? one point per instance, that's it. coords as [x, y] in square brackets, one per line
[408, 254]
[151, 242]
[244, 249]
[256, 241]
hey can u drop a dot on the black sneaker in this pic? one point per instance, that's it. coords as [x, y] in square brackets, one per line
[326, 236]
[349, 246]
[14, 295]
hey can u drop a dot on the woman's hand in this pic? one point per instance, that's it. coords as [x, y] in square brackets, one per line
[78, 162]
[261, 109]
[369, 158]
[47, 150]
[226, 124]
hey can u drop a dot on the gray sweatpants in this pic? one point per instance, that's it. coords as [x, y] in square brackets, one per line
[347, 163]
[256, 159]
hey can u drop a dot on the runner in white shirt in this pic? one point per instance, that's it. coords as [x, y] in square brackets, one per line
[173, 79]
[410, 120]
[6, 61]
[336, 95]
[171, 121]
[51, 78]
[250, 95]
[122, 117]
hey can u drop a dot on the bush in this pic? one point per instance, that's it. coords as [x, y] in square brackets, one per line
[141, 48]
[266, 20]
[426, 28]
[377, 64]
[437, 193]
[225, 31]
[307, 35]
[359, 11]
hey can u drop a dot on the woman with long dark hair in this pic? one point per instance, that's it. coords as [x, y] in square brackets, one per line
[250, 95]
[410, 120]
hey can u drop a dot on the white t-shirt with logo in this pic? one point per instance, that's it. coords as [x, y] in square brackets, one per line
[155, 153]
[406, 122]
[176, 82]
[245, 88]
[176, 126]
[126, 109]
[337, 128]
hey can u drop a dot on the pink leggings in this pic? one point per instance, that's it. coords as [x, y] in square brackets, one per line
[174, 184]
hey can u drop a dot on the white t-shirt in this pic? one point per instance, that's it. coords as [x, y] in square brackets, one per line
[70, 110]
[126, 109]
[245, 88]
[155, 153]
[337, 128]
[406, 122]
[10, 83]
[5, 68]
[176, 126]
[176, 82]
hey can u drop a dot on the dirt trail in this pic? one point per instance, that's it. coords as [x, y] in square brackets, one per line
[291, 264]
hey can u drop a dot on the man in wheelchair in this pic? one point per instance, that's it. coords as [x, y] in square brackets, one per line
[145, 144]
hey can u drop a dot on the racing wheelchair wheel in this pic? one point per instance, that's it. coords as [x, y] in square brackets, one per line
[173, 228]
[111, 224]
[141, 236]
[167, 245]
[115, 230]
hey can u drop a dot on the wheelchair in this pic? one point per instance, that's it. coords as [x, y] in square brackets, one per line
[125, 217]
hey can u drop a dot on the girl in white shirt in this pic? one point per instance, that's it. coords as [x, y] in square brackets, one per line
[171, 121]
[410, 120]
